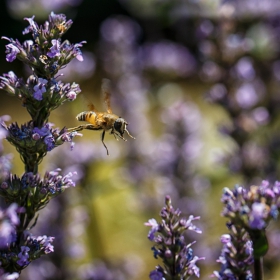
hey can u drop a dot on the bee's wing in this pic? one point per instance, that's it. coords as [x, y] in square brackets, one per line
[89, 103]
[91, 107]
[106, 92]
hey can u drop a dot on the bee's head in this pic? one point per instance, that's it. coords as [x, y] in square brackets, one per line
[120, 126]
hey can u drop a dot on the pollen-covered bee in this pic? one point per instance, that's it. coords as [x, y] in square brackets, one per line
[103, 120]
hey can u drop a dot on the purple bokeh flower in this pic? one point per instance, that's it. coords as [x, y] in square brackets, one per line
[8, 222]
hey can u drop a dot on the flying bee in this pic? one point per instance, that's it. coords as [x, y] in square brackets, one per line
[103, 120]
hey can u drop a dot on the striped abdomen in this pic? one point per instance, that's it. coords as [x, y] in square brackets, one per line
[88, 116]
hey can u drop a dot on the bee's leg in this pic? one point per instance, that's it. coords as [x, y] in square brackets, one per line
[115, 137]
[129, 134]
[102, 139]
[83, 126]
[113, 132]
[119, 136]
[77, 128]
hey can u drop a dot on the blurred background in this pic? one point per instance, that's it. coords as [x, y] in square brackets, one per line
[198, 82]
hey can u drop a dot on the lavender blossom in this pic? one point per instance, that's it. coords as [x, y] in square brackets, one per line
[12, 52]
[40, 94]
[39, 89]
[170, 245]
[40, 190]
[236, 256]
[252, 208]
[34, 142]
[55, 49]
[48, 36]
[23, 256]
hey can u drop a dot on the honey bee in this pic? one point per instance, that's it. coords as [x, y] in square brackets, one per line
[103, 120]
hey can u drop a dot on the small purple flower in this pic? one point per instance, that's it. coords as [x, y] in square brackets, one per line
[71, 95]
[154, 228]
[45, 242]
[56, 183]
[55, 49]
[36, 136]
[187, 223]
[50, 142]
[67, 182]
[68, 137]
[33, 27]
[156, 275]
[23, 256]
[256, 220]
[77, 52]
[44, 131]
[225, 238]
[193, 268]
[39, 89]
[12, 52]
[50, 137]
[60, 22]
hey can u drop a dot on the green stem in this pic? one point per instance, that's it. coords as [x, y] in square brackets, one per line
[258, 268]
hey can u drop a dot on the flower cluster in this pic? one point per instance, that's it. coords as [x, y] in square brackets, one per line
[37, 191]
[252, 208]
[170, 244]
[33, 142]
[34, 247]
[236, 256]
[39, 95]
[249, 212]
[46, 54]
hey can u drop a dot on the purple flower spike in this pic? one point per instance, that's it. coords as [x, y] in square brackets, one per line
[178, 258]
[236, 256]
